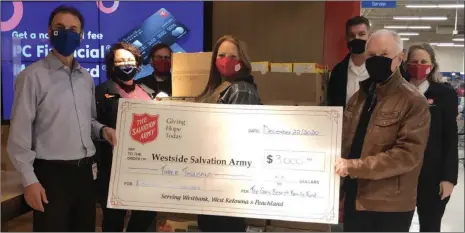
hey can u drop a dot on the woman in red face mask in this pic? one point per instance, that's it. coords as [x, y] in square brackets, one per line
[440, 165]
[230, 79]
[230, 82]
[160, 79]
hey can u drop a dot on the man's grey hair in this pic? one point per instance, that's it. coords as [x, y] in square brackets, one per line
[385, 32]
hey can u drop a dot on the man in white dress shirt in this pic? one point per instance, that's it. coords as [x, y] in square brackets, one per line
[347, 74]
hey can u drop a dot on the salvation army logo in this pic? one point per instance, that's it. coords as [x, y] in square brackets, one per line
[144, 127]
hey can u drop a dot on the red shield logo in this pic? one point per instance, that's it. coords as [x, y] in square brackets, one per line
[144, 127]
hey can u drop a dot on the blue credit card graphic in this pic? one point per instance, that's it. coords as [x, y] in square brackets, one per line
[160, 27]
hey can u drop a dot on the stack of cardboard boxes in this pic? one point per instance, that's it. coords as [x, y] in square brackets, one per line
[278, 83]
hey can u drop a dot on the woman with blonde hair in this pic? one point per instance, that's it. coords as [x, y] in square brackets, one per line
[440, 165]
[230, 82]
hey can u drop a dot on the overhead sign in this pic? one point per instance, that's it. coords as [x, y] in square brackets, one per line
[379, 4]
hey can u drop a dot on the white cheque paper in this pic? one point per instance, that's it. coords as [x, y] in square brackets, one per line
[268, 162]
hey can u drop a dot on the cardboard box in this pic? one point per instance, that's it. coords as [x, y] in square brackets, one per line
[281, 67]
[314, 227]
[262, 67]
[178, 99]
[190, 73]
[304, 88]
[310, 68]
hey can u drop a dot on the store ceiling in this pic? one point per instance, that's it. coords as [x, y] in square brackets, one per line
[440, 32]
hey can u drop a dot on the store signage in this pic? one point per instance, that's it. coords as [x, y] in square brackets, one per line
[378, 4]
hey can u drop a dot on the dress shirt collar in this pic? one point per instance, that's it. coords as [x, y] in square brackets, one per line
[56, 64]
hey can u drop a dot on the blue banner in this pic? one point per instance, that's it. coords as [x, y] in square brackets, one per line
[379, 4]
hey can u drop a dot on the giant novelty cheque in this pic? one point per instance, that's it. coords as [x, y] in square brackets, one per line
[267, 162]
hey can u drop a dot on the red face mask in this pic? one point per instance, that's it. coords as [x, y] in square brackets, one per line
[161, 66]
[228, 66]
[419, 71]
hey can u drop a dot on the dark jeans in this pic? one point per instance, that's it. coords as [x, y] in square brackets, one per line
[369, 221]
[70, 192]
[430, 207]
[209, 223]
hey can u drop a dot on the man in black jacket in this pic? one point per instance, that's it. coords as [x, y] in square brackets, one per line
[160, 79]
[347, 74]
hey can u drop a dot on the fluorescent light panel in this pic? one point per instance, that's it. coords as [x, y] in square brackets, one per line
[404, 38]
[433, 18]
[446, 6]
[406, 27]
[457, 39]
[446, 44]
[408, 33]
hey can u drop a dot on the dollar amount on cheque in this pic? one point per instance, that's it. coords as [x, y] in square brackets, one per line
[268, 162]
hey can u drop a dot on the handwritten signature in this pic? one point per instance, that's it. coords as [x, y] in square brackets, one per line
[276, 192]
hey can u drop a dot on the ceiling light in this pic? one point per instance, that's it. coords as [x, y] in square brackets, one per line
[436, 6]
[419, 18]
[405, 38]
[406, 27]
[457, 39]
[446, 44]
[408, 34]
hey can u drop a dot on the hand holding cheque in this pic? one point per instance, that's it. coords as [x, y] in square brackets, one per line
[269, 162]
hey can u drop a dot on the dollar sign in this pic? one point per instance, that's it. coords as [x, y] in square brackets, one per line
[269, 159]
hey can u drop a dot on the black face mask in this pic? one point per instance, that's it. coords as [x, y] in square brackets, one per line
[379, 68]
[356, 46]
[126, 72]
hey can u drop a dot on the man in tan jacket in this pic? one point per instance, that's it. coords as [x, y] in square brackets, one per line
[385, 130]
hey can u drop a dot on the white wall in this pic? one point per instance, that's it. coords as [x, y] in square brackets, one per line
[450, 59]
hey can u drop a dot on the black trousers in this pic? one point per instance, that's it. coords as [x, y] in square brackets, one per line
[209, 223]
[430, 207]
[113, 219]
[369, 221]
[70, 192]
